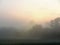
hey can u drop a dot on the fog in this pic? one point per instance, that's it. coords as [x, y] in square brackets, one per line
[30, 19]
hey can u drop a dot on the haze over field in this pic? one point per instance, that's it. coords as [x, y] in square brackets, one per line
[29, 21]
[19, 13]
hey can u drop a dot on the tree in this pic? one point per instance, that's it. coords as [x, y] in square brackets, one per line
[54, 32]
[55, 23]
[35, 31]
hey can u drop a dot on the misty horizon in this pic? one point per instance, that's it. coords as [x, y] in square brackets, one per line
[29, 21]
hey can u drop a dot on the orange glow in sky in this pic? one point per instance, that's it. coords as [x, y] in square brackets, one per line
[37, 10]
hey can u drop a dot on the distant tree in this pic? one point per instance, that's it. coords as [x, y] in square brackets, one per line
[54, 32]
[35, 31]
[55, 23]
[46, 33]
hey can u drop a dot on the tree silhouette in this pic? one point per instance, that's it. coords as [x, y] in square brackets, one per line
[35, 31]
[54, 31]
[47, 33]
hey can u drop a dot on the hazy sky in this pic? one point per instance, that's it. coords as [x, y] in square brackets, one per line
[36, 10]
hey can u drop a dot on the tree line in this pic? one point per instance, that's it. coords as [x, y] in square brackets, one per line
[52, 31]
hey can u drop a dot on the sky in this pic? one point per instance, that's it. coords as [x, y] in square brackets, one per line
[23, 11]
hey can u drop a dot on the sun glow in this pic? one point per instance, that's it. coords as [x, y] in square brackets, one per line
[37, 10]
